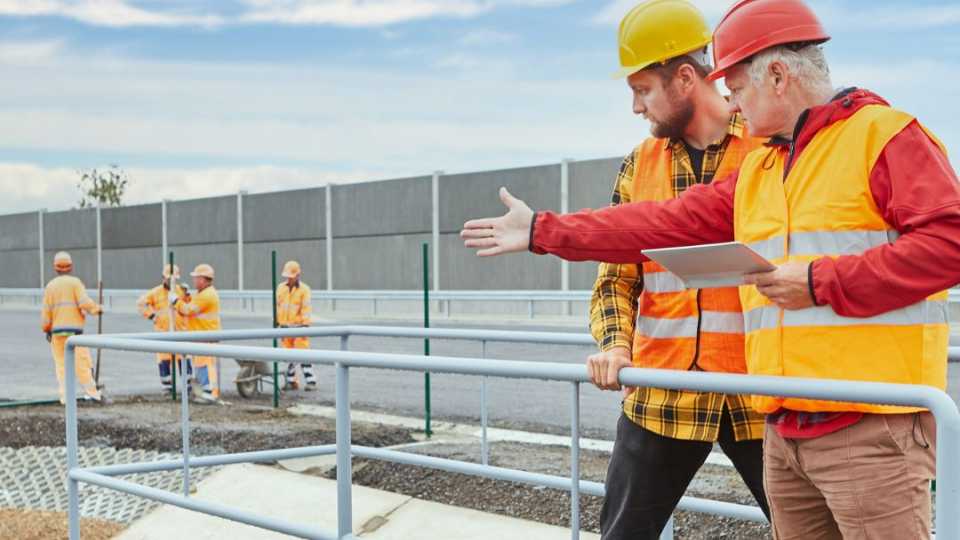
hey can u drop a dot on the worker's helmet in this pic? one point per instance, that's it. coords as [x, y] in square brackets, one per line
[656, 31]
[291, 270]
[62, 261]
[166, 271]
[752, 26]
[203, 270]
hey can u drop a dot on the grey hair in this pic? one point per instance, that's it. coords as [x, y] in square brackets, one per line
[807, 63]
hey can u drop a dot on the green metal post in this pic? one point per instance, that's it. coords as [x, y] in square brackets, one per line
[276, 369]
[173, 357]
[426, 341]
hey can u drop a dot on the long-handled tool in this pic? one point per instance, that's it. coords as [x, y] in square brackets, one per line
[96, 371]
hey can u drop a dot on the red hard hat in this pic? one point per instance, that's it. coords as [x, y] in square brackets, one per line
[754, 25]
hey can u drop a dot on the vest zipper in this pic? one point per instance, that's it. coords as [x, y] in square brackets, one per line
[696, 352]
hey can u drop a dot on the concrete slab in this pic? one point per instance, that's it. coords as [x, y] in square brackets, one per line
[425, 520]
[311, 500]
[266, 491]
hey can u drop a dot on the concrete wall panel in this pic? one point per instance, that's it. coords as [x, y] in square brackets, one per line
[474, 195]
[202, 221]
[70, 230]
[311, 255]
[20, 268]
[382, 208]
[285, 216]
[132, 226]
[132, 268]
[582, 275]
[223, 257]
[462, 269]
[379, 262]
[19, 231]
[591, 182]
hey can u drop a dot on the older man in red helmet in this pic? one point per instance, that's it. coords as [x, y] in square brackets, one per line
[859, 207]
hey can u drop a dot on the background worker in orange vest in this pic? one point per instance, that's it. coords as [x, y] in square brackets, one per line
[293, 311]
[664, 436]
[155, 305]
[857, 204]
[202, 313]
[65, 302]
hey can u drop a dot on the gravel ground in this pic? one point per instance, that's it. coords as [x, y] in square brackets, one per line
[37, 525]
[546, 505]
[154, 424]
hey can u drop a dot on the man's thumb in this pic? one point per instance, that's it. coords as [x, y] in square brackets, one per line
[506, 198]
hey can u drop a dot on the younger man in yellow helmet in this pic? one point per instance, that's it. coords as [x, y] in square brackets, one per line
[293, 311]
[65, 301]
[643, 315]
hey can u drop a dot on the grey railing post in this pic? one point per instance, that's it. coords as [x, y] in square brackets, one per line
[344, 473]
[73, 487]
[484, 443]
[575, 462]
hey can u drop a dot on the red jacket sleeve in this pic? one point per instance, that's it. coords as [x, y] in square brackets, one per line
[918, 194]
[701, 215]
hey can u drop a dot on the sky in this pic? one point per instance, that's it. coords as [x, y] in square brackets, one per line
[196, 98]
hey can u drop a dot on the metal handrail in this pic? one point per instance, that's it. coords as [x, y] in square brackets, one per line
[943, 408]
[321, 294]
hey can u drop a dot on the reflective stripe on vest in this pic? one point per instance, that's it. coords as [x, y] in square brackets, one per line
[662, 282]
[767, 317]
[830, 243]
[717, 322]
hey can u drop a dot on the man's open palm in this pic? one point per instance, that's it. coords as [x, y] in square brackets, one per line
[508, 233]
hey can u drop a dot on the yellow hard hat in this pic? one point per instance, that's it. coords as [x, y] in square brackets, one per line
[291, 269]
[657, 30]
[203, 270]
[62, 261]
[166, 271]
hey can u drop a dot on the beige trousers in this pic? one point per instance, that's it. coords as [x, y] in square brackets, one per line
[870, 480]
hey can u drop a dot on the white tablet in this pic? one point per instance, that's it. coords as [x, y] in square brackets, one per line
[711, 265]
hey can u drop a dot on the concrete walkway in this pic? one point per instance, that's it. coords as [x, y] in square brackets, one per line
[311, 500]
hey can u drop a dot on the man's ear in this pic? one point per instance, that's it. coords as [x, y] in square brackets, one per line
[779, 73]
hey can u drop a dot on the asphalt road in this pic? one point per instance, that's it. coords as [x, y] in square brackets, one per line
[26, 372]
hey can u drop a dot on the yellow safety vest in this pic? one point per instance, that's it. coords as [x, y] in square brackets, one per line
[824, 208]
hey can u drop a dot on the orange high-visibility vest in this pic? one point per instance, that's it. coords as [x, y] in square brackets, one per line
[156, 302]
[64, 302]
[293, 305]
[680, 328]
[203, 312]
[824, 208]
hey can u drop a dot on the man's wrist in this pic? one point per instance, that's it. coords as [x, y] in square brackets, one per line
[533, 222]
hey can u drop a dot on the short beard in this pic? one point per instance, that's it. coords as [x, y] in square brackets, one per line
[676, 121]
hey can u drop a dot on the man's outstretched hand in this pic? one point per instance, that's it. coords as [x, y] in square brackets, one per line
[508, 233]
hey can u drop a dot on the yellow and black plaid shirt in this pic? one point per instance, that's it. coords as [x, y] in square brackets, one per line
[679, 414]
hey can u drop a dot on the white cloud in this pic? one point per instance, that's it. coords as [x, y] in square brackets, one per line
[357, 12]
[116, 13]
[613, 12]
[209, 13]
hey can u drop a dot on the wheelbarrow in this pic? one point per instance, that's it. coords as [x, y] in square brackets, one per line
[254, 375]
